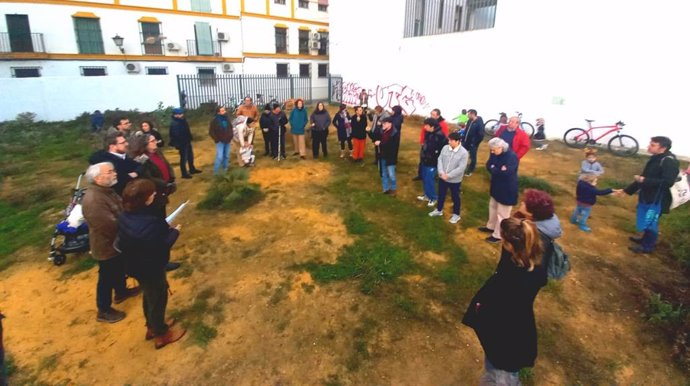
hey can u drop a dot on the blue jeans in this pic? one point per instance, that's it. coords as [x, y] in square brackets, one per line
[443, 187]
[388, 176]
[222, 154]
[580, 215]
[428, 179]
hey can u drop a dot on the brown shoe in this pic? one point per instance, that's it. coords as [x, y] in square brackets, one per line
[172, 335]
[131, 292]
[392, 193]
[149, 332]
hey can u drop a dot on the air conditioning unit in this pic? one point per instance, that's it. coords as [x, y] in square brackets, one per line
[228, 67]
[133, 68]
[223, 37]
[315, 45]
[315, 36]
[173, 46]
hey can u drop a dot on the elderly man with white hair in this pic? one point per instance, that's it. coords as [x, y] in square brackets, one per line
[502, 166]
[101, 207]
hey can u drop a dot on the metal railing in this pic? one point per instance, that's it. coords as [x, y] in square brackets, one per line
[193, 51]
[435, 17]
[12, 42]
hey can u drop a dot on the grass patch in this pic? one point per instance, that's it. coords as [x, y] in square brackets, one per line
[84, 264]
[529, 182]
[663, 312]
[475, 207]
[20, 227]
[356, 224]
[613, 183]
[232, 191]
[675, 228]
[48, 363]
[202, 316]
[185, 270]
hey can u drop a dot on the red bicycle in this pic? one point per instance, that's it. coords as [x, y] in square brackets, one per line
[620, 144]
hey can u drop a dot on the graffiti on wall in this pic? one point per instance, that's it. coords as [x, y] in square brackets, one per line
[386, 96]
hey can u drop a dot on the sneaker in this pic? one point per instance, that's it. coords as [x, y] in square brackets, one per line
[131, 292]
[573, 220]
[585, 228]
[196, 171]
[492, 240]
[454, 219]
[636, 240]
[431, 203]
[110, 316]
[392, 193]
[435, 213]
[485, 230]
[187, 176]
[386, 192]
[172, 335]
[422, 198]
[468, 174]
[638, 249]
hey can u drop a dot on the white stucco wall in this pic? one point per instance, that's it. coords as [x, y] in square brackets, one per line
[561, 60]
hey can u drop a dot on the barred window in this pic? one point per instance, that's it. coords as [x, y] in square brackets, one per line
[281, 40]
[323, 70]
[93, 71]
[207, 76]
[279, 2]
[303, 4]
[282, 70]
[435, 17]
[156, 70]
[304, 70]
[26, 72]
[304, 42]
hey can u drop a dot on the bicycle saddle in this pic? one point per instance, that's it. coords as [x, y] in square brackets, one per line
[589, 120]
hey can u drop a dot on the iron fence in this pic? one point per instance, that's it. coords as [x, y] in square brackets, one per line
[192, 49]
[29, 42]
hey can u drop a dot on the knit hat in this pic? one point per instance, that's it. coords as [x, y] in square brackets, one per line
[178, 110]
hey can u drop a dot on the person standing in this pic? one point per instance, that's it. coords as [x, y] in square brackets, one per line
[298, 121]
[397, 117]
[181, 139]
[451, 168]
[364, 99]
[248, 109]
[515, 137]
[122, 125]
[502, 311]
[221, 133]
[277, 129]
[653, 186]
[435, 114]
[102, 206]
[320, 120]
[462, 119]
[434, 141]
[341, 121]
[265, 126]
[97, 121]
[145, 239]
[502, 166]
[387, 140]
[148, 128]
[377, 123]
[586, 195]
[115, 152]
[474, 135]
[359, 134]
[590, 165]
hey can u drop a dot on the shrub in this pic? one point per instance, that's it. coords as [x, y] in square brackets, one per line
[232, 191]
[663, 312]
[529, 182]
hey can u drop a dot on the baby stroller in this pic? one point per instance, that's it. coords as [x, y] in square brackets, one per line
[73, 229]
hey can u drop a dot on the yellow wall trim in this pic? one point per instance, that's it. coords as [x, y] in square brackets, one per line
[119, 58]
[280, 25]
[174, 4]
[322, 30]
[292, 9]
[283, 56]
[268, 7]
[148, 19]
[241, 5]
[304, 28]
[281, 18]
[88, 15]
[84, 4]
[225, 7]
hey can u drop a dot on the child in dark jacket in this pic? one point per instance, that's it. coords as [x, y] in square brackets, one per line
[586, 198]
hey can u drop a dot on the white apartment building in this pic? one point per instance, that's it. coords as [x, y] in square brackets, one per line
[565, 60]
[59, 58]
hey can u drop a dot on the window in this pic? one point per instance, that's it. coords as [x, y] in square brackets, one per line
[207, 76]
[19, 33]
[282, 2]
[323, 7]
[323, 70]
[150, 38]
[201, 5]
[282, 70]
[89, 36]
[281, 40]
[304, 42]
[303, 4]
[204, 39]
[305, 70]
[432, 17]
[323, 48]
[93, 71]
[156, 70]
[26, 72]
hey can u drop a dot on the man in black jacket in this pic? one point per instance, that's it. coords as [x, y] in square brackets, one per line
[277, 130]
[653, 185]
[115, 152]
[181, 139]
[474, 135]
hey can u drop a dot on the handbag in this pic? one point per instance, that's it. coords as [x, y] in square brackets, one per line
[680, 190]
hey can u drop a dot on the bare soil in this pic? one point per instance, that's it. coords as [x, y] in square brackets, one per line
[280, 327]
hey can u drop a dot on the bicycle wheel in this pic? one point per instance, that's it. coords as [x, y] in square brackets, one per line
[490, 127]
[623, 145]
[527, 128]
[576, 137]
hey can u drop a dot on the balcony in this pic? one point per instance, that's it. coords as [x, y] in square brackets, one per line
[21, 42]
[212, 48]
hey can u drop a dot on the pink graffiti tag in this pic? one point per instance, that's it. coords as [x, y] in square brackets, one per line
[395, 94]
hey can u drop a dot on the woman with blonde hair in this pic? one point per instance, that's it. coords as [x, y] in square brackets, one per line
[502, 311]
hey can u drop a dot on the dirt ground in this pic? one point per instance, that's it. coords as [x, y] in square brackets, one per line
[279, 327]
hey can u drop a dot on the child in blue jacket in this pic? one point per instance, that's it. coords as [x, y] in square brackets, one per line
[586, 198]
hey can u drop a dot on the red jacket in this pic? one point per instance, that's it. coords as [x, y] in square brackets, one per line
[444, 129]
[521, 142]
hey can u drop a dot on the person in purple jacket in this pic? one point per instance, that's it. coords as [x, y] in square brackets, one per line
[587, 193]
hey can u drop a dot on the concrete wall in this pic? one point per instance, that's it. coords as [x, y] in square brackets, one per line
[561, 60]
